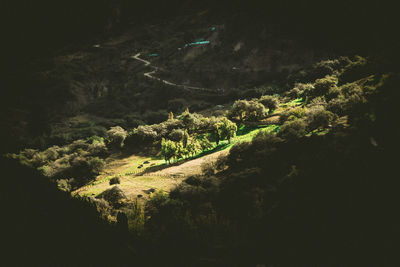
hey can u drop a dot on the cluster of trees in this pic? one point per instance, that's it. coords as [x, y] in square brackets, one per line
[115, 137]
[71, 165]
[77, 163]
[176, 150]
[329, 100]
[180, 144]
[253, 110]
[184, 127]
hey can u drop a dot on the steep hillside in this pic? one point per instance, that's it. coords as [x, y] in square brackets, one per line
[199, 133]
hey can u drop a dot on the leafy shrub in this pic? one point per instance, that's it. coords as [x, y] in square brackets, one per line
[245, 110]
[351, 95]
[294, 93]
[191, 121]
[96, 164]
[143, 134]
[176, 135]
[292, 114]
[323, 85]
[293, 129]
[116, 137]
[317, 117]
[76, 145]
[97, 147]
[115, 196]
[205, 143]
[265, 139]
[226, 129]
[52, 153]
[115, 180]
[305, 89]
[65, 184]
[333, 93]
[338, 105]
[350, 89]
[270, 102]
[317, 101]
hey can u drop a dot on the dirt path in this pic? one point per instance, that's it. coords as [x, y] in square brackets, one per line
[155, 69]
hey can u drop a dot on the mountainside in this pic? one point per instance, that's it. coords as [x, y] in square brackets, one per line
[199, 133]
[102, 79]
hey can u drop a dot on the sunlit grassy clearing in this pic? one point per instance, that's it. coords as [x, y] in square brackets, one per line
[135, 185]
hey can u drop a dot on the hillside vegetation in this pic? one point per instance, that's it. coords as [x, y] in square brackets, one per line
[284, 152]
[200, 133]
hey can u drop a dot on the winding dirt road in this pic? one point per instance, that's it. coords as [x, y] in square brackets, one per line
[155, 69]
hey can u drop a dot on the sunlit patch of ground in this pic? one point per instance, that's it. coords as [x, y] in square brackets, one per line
[137, 186]
[142, 185]
[120, 166]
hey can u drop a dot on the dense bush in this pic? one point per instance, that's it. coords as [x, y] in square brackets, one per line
[291, 130]
[292, 114]
[270, 102]
[326, 67]
[72, 165]
[247, 110]
[322, 86]
[115, 180]
[115, 196]
[176, 135]
[305, 89]
[96, 164]
[338, 105]
[317, 117]
[115, 137]
[226, 129]
[294, 93]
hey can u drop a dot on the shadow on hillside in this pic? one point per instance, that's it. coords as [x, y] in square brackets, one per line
[165, 165]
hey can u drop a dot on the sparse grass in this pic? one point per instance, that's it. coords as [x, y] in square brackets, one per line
[116, 167]
[135, 185]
